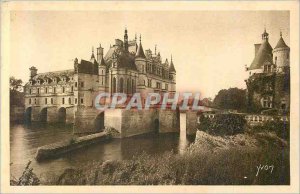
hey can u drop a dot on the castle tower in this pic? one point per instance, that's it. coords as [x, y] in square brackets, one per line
[99, 53]
[281, 55]
[140, 61]
[93, 59]
[126, 40]
[263, 60]
[101, 69]
[33, 71]
[172, 76]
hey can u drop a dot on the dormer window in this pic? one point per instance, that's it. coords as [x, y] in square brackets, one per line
[267, 102]
[268, 68]
[30, 82]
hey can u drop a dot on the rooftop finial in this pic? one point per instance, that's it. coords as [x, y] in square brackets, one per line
[140, 38]
[171, 58]
[93, 49]
[135, 37]
[280, 33]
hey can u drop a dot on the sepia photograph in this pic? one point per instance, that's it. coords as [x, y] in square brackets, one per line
[149, 96]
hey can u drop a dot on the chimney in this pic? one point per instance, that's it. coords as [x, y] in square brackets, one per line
[99, 53]
[33, 71]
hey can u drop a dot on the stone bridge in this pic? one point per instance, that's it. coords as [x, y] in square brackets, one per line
[89, 120]
[50, 114]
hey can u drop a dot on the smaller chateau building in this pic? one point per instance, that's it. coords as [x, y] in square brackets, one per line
[68, 96]
[268, 85]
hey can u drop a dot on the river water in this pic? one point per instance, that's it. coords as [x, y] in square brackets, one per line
[24, 141]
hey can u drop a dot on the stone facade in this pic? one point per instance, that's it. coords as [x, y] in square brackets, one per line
[268, 85]
[68, 96]
[135, 122]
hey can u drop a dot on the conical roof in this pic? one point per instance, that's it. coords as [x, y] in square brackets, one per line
[140, 52]
[102, 62]
[172, 68]
[264, 54]
[281, 44]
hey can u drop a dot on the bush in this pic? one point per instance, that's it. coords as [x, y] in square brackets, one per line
[223, 124]
[281, 128]
[28, 177]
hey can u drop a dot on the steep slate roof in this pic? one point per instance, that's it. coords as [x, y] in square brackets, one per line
[102, 62]
[88, 67]
[125, 59]
[52, 74]
[281, 44]
[264, 54]
[172, 68]
[140, 52]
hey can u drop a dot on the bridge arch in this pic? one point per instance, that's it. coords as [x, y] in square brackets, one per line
[62, 115]
[43, 115]
[99, 122]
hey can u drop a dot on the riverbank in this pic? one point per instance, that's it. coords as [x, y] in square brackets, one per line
[211, 160]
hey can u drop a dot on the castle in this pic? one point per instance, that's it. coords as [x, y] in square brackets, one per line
[268, 85]
[68, 96]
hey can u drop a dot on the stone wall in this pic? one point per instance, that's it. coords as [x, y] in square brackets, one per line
[169, 121]
[84, 120]
[136, 122]
[191, 122]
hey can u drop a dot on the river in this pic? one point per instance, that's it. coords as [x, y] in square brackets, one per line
[24, 141]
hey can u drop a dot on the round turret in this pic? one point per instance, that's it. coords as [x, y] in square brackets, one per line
[281, 54]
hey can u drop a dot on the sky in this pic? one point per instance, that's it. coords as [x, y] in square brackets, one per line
[210, 48]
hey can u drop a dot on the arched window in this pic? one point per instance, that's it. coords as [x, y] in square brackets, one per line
[69, 100]
[114, 85]
[267, 102]
[275, 60]
[128, 86]
[46, 89]
[121, 85]
[132, 87]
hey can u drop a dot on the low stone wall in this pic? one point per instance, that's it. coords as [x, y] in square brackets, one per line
[59, 148]
[252, 119]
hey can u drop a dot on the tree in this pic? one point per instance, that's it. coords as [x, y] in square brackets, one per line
[207, 102]
[232, 98]
[15, 84]
[16, 94]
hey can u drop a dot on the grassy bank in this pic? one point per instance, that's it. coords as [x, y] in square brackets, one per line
[200, 165]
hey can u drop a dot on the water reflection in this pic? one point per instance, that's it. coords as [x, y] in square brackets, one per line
[24, 140]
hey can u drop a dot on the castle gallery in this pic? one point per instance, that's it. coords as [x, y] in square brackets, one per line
[125, 68]
[268, 85]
